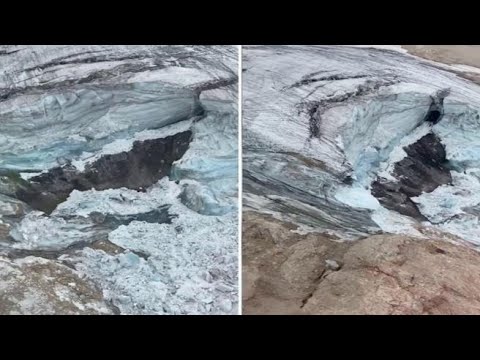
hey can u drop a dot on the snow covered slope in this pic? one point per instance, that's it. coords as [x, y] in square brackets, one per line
[355, 141]
[121, 162]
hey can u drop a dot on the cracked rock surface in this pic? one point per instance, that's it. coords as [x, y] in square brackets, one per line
[393, 274]
[37, 286]
[288, 273]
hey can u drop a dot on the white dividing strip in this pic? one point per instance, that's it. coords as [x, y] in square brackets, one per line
[240, 179]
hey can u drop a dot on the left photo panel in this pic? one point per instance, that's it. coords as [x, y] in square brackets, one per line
[119, 179]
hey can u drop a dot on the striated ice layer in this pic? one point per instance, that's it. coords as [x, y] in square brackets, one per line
[59, 101]
[40, 130]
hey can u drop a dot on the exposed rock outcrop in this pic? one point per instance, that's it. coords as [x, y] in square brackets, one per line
[38, 286]
[289, 273]
[147, 162]
[422, 171]
[392, 274]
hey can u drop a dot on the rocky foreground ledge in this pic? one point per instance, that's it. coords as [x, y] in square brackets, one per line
[36, 286]
[285, 272]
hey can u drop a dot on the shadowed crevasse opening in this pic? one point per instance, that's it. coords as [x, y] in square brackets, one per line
[433, 116]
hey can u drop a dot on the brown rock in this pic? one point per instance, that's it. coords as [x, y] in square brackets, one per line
[286, 273]
[39, 286]
[304, 264]
[280, 267]
[391, 274]
[107, 246]
[250, 278]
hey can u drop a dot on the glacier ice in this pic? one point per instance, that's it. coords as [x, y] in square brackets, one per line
[169, 248]
[95, 116]
[211, 163]
[324, 124]
[188, 263]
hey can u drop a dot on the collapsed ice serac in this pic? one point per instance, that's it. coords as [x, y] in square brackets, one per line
[105, 144]
[361, 140]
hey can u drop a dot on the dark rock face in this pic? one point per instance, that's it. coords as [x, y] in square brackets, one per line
[423, 170]
[145, 164]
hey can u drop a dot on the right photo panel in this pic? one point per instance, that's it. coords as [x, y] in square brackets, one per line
[361, 179]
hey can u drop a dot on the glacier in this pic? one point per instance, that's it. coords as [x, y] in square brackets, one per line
[353, 141]
[120, 162]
